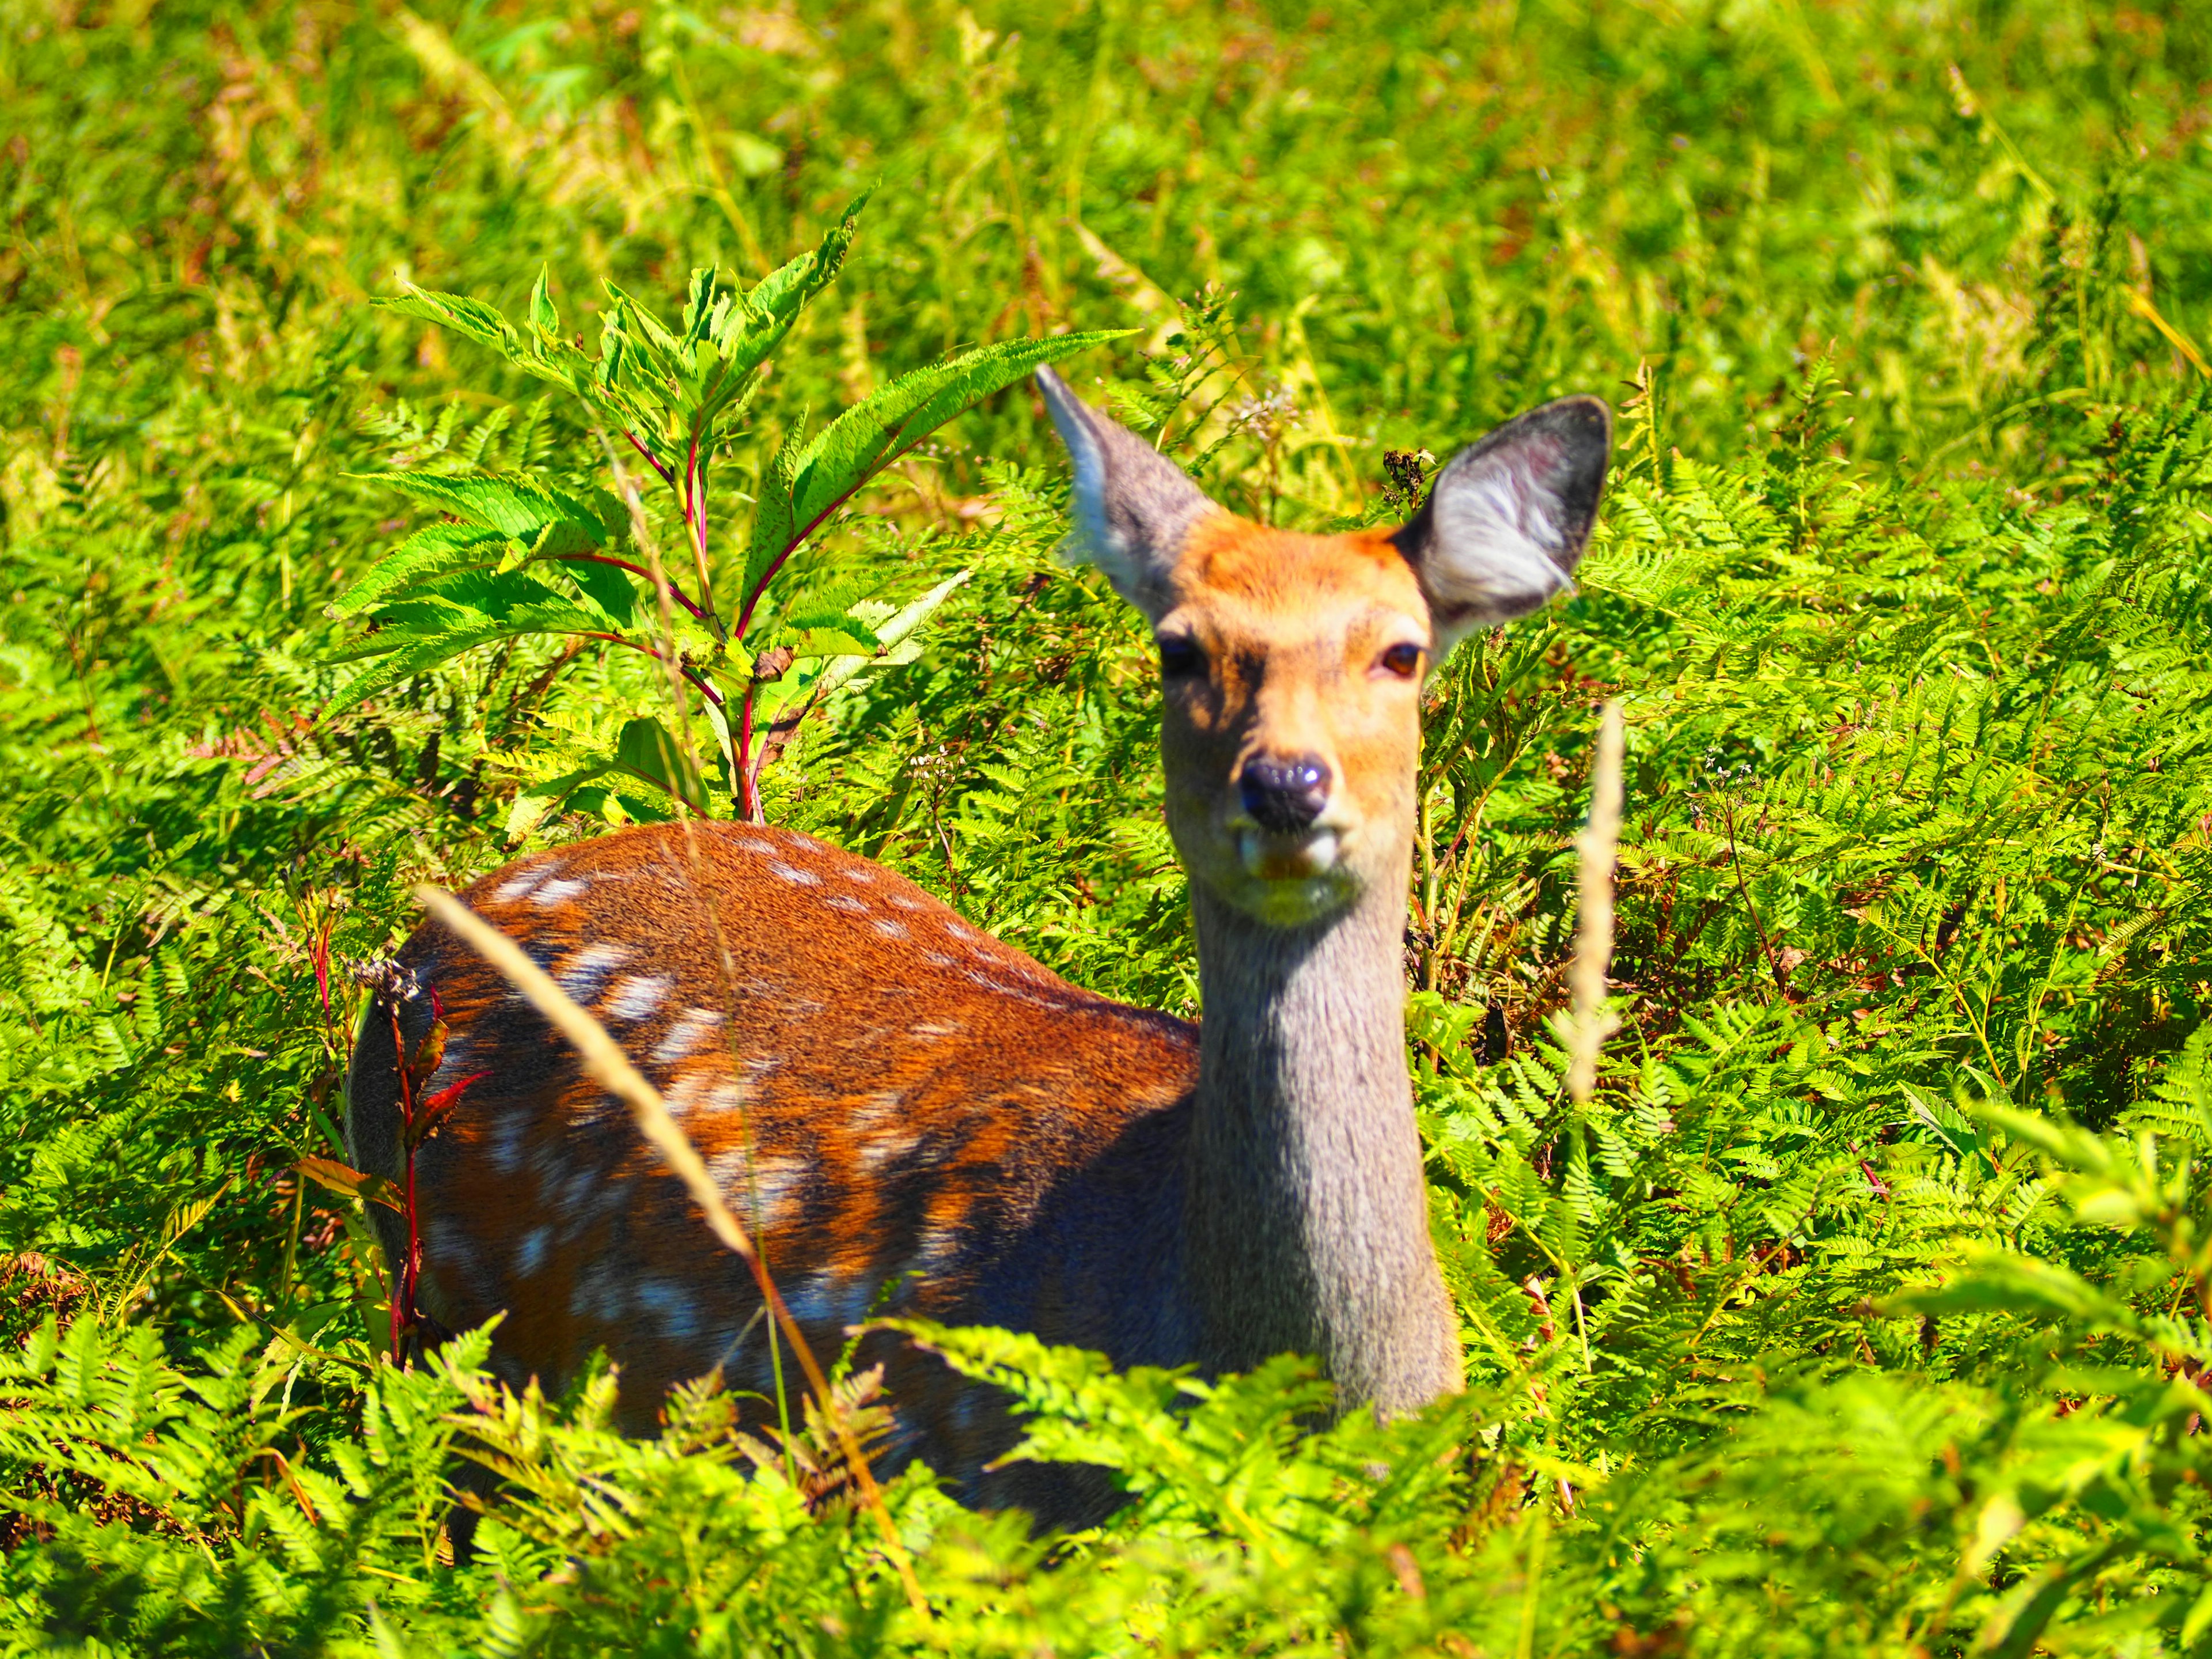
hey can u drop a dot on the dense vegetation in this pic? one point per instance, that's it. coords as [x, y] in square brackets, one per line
[1867, 1304]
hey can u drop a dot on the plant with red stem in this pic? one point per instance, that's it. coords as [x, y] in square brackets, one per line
[516, 557]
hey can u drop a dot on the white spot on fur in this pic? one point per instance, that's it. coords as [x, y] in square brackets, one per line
[636, 995]
[809, 1303]
[847, 903]
[443, 1239]
[884, 1107]
[760, 844]
[671, 1305]
[597, 1292]
[687, 1091]
[859, 872]
[508, 1134]
[939, 1245]
[515, 887]
[530, 1254]
[828, 1297]
[791, 873]
[545, 1163]
[961, 930]
[939, 959]
[583, 974]
[889, 928]
[885, 1149]
[909, 901]
[760, 1189]
[559, 892]
[574, 1196]
[689, 1033]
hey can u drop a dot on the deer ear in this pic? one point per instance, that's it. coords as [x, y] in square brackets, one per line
[1504, 525]
[1132, 506]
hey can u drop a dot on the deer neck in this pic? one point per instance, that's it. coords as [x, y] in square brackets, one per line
[1306, 1212]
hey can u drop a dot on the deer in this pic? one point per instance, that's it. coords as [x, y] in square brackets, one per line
[910, 1115]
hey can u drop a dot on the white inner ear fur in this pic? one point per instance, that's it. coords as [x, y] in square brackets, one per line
[1491, 559]
[1134, 508]
[1506, 522]
[1093, 541]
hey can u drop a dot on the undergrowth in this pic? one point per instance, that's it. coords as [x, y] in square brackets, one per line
[1863, 1307]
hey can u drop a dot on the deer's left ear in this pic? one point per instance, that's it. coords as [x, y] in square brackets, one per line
[1506, 523]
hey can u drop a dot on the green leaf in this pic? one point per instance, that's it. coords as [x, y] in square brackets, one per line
[436, 625]
[514, 504]
[543, 317]
[772, 513]
[862, 441]
[613, 590]
[549, 358]
[506, 521]
[2002, 1282]
[853, 640]
[645, 750]
[472, 318]
[433, 551]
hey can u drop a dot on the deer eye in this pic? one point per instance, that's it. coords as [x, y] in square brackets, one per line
[1180, 657]
[1403, 660]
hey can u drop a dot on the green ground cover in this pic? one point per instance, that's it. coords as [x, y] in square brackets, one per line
[1864, 1306]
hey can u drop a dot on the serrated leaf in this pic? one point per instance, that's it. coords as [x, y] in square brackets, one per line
[474, 609]
[513, 504]
[612, 590]
[858, 443]
[645, 750]
[848, 642]
[772, 514]
[549, 358]
[470, 318]
[433, 551]
[543, 316]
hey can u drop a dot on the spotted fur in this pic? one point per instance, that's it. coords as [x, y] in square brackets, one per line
[970, 1138]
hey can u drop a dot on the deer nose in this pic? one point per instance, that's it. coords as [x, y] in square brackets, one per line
[1284, 796]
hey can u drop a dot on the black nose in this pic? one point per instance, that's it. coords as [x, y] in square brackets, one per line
[1285, 795]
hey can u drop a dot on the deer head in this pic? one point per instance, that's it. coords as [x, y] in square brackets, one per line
[1293, 665]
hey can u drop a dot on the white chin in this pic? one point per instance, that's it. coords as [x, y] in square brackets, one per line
[1286, 857]
[1291, 880]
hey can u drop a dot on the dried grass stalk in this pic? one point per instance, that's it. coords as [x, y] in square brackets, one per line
[1595, 851]
[606, 1064]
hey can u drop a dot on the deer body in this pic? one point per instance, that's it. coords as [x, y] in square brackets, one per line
[910, 1115]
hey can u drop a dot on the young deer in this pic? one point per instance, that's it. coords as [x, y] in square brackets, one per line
[895, 1103]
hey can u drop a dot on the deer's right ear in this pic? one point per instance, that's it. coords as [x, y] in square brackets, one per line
[1134, 508]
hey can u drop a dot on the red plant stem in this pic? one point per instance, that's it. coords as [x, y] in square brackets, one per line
[749, 790]
[695, 510]
[753, 599]
[664, 477]
[408, 1269]
[705, 685]
[674, 592]
[749, 786]
[323, 961]
[695, 521]
[748, 801]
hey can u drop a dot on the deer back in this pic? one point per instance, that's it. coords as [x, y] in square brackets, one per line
[908, 1115]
